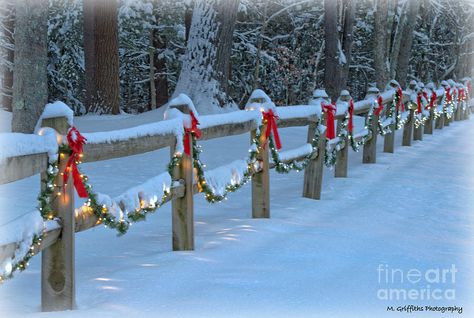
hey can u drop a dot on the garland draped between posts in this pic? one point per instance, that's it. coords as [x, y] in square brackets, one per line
[102, 212]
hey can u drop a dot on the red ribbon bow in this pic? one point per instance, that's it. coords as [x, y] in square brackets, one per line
[76, 141]
[425, 95]
[448, 94]
[271, 118]
[379, 109]
[400, 105]
[330, 110]
[433, 100]
[188, 131]
[350, 126]
[419, 102]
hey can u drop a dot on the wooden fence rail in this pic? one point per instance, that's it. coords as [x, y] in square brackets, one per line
[58, 286]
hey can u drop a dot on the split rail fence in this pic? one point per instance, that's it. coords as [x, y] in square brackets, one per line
[57, 245]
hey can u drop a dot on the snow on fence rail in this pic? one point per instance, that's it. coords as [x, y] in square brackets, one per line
[56, 235]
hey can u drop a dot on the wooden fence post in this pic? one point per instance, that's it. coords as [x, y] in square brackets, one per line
[408, 129]
[389, 139]
[261, 179]
[182, 209]
[457, 113]
[428, 129]
[446, 120]
[340, 169]
[439, 122]
[370, 147]
[57, 261]
[418, 133]
[313, 174]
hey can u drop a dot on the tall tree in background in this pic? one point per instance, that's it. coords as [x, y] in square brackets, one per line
[464, 25]
[159, 80]
[101, 56]
[380, 42]
[30, 81]
[8, 24]
[338, 44]
[205, 72]
[406, 30]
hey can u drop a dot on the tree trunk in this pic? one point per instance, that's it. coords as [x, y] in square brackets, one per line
[464, 66]
[347, 39]
[161, 79]
[188, 17]
[380, 43]
[406, 45]
[337, 51]
[332, 70]
[7, 81]
[101, 56]
[151, 53]
[30, 83]
[205, 72]
[398, 27]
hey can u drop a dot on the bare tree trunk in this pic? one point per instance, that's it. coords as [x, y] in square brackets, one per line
[30, 81]
[227, 15]
[332, 70]
[151, 53]
[380, 43]
[188, 17]
[407, 43]
[256, 76]
[161, 79]
[337, 51]
[101, 56]
[464, 66]
[205, 72]
[398, 28]
[348, 11]
[7, 81]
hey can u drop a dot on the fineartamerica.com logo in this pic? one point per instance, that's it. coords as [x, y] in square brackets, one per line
[429, 284]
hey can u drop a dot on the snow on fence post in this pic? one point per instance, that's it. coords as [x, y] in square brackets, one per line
[57, 261]
[408, 128]
[182, 209]
[340, 169]
[313, 174]
[261, 179]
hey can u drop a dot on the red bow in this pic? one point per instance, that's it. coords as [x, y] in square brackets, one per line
[330, 110]
[448, 94]
[188, 131]
[425, 95]
[418, 102]
[400, 105]
[350, 126]
[433, 100]
[76, 141]
[379, 109]
[271, 118]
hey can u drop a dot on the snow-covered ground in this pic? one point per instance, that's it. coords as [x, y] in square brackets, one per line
[411, 210]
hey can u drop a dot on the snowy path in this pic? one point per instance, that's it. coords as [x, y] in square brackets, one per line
[413, 209]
